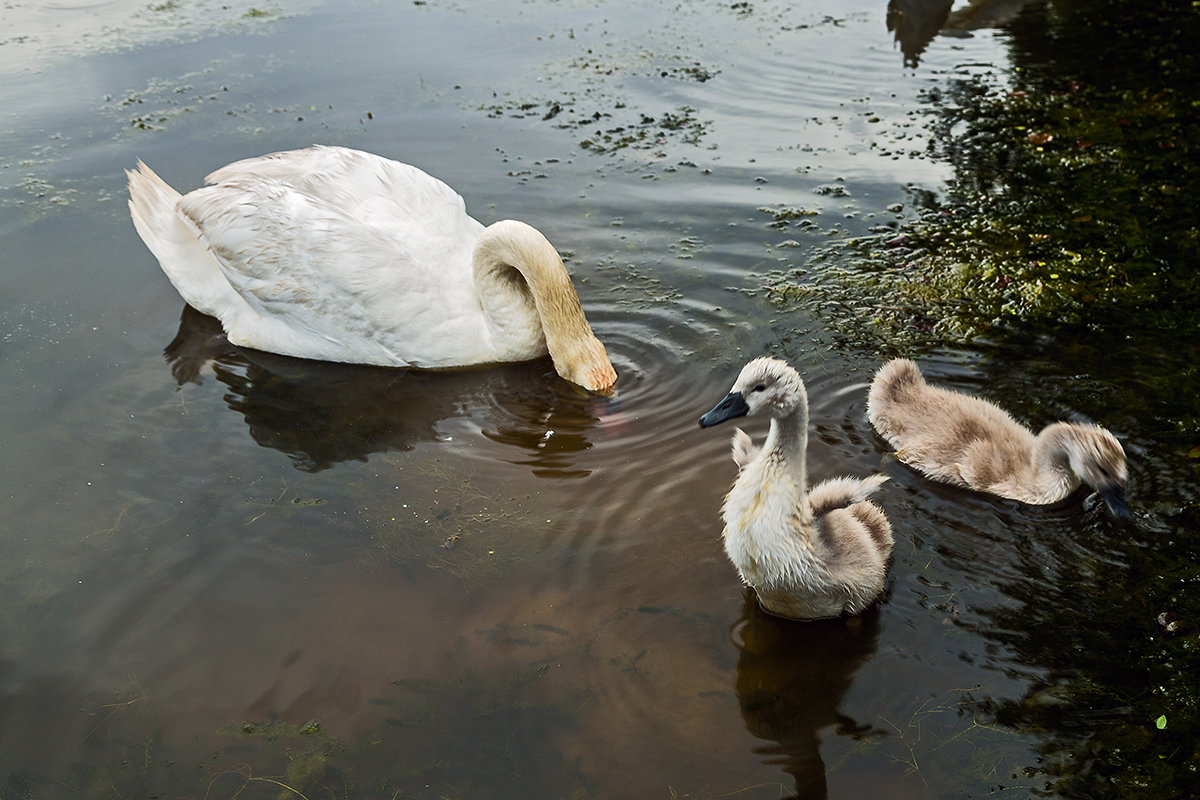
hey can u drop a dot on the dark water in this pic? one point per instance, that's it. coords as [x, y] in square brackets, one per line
[225, 573]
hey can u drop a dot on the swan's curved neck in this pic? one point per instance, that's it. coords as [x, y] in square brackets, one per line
[1053, 476]
[514, 266]
[788, 440]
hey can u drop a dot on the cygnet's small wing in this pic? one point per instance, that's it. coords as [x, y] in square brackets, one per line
[842, 492]
[744, 450]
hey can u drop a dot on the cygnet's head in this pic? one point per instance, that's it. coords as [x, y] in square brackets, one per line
[765, 386]
[1098, 459]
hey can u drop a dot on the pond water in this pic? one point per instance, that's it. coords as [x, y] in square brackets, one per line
[231, 574]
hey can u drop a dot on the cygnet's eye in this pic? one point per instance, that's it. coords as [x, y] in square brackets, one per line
[760, 388]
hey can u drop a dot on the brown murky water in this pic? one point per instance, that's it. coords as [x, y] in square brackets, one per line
[221, 567]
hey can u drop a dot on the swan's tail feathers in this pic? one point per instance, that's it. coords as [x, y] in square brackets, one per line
[744, 450]
[175, 242]
[152, 205]
[842, 492]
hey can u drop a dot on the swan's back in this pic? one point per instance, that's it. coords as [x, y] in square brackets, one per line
[377, 190]
[326, 253]
[340, 205]
[949, 435]
[902, 405]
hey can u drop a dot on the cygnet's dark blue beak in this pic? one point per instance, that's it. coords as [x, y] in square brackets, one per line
[1114, 498]
[734, 405]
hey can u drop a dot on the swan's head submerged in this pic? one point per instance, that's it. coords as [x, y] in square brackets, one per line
[515, 264]
[586, 363]
[1098, 459]
[765, 386]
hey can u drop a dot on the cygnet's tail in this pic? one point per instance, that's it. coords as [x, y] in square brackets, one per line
[842, 492]
[891, 391]
[175, 242]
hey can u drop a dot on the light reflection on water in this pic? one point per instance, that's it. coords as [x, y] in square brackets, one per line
[486, 580]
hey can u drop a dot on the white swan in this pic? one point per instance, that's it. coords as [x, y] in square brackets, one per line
[807, 554]
[340, 255]
[969, 442]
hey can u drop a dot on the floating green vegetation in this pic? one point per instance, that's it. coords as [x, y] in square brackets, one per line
[608, 133]
[693, 72]
[160, 103]
[646, 62]
[264, 508]
[305, 752]
[782, 216]
[636, 288]
[648, 132]
[582, 98]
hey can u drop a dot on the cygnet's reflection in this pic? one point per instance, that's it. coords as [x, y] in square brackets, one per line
[790, 680]
[321, 414]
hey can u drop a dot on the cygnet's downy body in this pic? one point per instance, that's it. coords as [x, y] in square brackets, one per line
[966, 441]
[808, 554]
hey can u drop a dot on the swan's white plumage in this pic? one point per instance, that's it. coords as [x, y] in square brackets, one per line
[341, 255]
[806, 553]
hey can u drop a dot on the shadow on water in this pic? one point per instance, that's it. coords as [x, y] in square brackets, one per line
[1099, 615]
[791, 677]
[322, 414]
[1082, 623]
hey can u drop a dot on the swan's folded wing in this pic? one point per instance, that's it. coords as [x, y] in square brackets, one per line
[842, 492]
[377, 189]
[323, 281]
[859, 540]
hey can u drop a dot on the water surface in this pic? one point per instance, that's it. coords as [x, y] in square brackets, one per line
[222, 567]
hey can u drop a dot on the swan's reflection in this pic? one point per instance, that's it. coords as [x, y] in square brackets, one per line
[321, 414]
[790, 682]
[916, 22]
